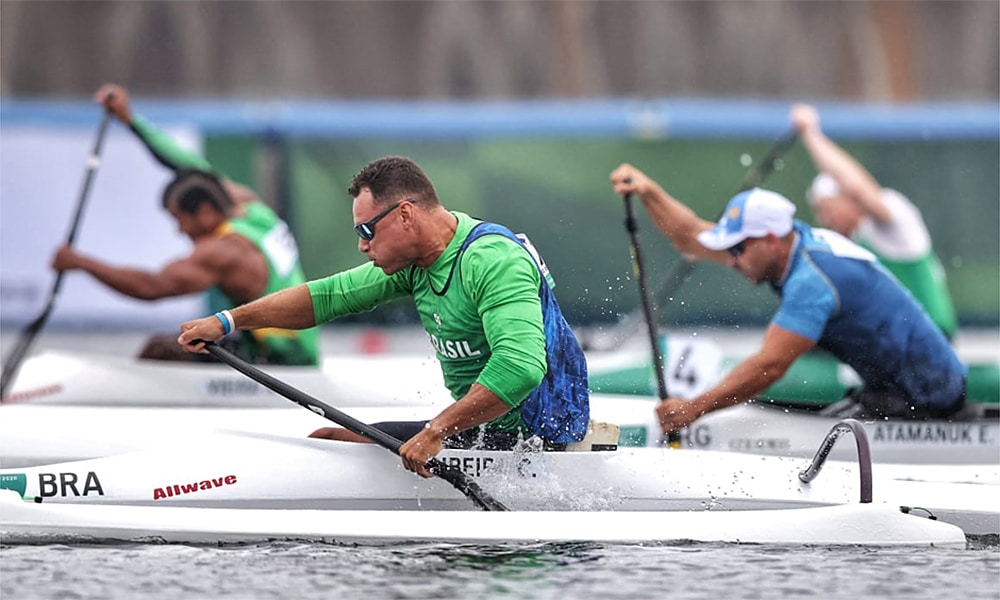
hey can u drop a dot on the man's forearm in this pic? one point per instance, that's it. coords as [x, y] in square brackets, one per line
[291, 308]
[136, 283]
[675, 220]
[478, 406]
[748, 379]
[165, 149]
[833, 160]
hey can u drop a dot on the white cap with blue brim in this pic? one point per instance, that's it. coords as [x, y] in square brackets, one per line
[750, 214]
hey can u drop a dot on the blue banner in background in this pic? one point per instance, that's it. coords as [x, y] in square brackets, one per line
[678, 118]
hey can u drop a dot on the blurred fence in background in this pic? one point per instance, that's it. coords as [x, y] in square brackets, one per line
[542, 167]
[822, 49]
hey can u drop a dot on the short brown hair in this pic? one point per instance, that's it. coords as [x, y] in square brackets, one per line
[394, 178]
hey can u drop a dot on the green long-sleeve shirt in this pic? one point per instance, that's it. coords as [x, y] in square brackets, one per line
[165, 149]
[482, 313]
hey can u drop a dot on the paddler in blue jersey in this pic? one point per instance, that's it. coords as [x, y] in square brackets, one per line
[834, 295]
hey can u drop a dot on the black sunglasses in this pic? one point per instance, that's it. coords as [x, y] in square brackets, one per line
[737, 250]
[366, 230]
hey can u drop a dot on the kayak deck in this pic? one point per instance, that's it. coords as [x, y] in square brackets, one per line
[848, 524]
[244, 470]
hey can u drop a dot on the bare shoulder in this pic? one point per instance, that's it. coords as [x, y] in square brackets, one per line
[226, 252]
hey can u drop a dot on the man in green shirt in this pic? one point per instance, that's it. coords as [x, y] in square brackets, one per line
[847, 199]
[509, 359]
[241, 248]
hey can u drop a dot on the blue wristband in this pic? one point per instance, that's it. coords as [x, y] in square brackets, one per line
[225, 323]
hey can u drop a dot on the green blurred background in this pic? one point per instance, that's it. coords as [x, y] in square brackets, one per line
[557, 191]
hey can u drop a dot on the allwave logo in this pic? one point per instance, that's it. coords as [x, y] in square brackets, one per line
[179, 489]
[48, 390]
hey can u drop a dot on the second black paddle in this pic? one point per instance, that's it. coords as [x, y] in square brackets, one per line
[13, 363]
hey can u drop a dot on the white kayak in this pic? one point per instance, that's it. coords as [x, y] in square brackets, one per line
[759, 428]
[36, 434]
[693, 364]
[849, 524]
[33, 435]
[67, 406]
[76, 379]
[241, 470]
[39, 433]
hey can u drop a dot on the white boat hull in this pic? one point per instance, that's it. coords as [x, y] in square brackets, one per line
[854, 524]
[90, 406]
[38, 434]
[775, 431]
[34, 434]
[74, 379]
[259, 471]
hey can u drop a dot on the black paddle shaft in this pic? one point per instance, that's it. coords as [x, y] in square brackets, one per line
[638, 269]
[16, 357]
[455, 477]
[673, 282]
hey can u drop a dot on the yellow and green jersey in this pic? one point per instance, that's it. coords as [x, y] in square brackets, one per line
[269, 234]
[903, 245]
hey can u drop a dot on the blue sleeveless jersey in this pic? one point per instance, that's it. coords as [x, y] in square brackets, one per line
[836, 293]
[558, 410]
